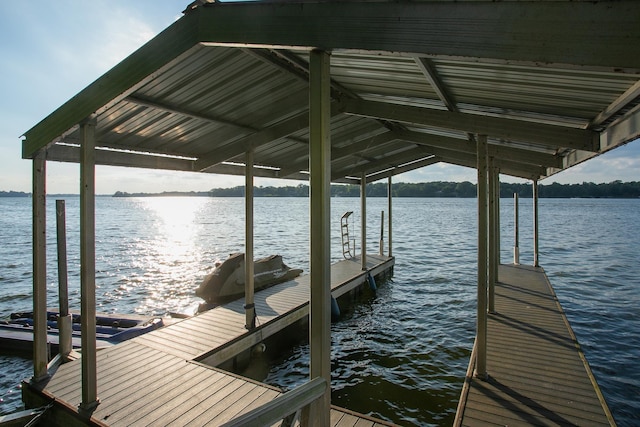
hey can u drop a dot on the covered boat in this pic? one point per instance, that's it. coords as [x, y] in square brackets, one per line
[226, 282]
[16, 333]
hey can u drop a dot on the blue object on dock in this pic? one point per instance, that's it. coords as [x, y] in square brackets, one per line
[17, 333]
[372, 282]
[335, 309]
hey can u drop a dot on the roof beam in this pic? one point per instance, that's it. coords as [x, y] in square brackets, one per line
[342, 152]
[403, 168]
[205, 117]
[471, 162]
[430, 72]
[535, 32]
[280, 130]
[133, 72]
[71, 154]
[623, 130]
[497, 151]
[620, 103]
[510, 167]
[138, 100]
[385, 162]
[510, 129]
[295, 66]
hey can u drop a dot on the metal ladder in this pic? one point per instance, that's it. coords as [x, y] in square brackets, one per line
[347, 250]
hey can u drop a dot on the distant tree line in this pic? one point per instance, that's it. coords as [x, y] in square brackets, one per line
[14, 194]
[615, 189]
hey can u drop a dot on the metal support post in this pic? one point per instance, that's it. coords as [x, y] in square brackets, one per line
[492, 238]
[249, 306]
[516, 219]
[483, 226]
[381, 245]
[389, 198]
[64, 318]
[40, 349]
[536, 262]
[88, 264]
[363, 220]
[497, 225]
[320, 198]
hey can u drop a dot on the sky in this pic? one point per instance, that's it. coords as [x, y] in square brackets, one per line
[51, 50]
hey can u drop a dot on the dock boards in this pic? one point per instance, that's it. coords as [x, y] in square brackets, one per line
[537, 372]
[156, 380]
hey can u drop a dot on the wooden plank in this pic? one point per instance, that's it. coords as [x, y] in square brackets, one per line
[197, 332]
[137, 402]
[135, 382]
[69, 384]
[215, 404]
[537, 372]
[182, 398]
[265, 397]
[108, 377]
[196, 380]
[347, 420]
[149, 381]
[169, 346]
[185, 403]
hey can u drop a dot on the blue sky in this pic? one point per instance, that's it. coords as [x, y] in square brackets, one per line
[53, 49]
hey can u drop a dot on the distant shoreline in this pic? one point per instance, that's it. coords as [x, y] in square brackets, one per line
[586, 190]
[612, 190]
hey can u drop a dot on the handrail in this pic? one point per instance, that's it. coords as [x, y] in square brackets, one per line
[282, 406]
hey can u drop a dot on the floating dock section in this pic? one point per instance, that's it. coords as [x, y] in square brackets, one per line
[538, 374]
[168, 377]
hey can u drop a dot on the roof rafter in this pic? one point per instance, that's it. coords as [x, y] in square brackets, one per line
[498, 151]
[534, 133]
[138, 100]
[342, 152]
[382, 163]
[408, 167]
[279, 130]
[508, 167]
[430, 72]
[69, 153]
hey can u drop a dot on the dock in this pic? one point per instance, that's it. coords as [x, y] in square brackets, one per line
[169, 376]
[538, 374]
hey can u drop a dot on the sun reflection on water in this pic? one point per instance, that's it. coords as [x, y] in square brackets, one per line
[171, 254]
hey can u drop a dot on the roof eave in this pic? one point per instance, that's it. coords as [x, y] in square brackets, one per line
[123, 79]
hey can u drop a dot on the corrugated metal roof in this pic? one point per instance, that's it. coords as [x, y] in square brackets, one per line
[207, 97]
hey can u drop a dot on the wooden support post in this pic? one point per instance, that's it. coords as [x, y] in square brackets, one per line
[497, 225]
[88, 264]
[389, 197]
[493, 266]
[320, 195]
[64, 318]
[40, 349]
[363, 220]
[483, 226]
[516, 232]
[249, 306]
[536, 262]
[381, 244]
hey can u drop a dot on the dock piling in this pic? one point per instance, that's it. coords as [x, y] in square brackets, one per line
[64, 318]
[516, 249]
[483, 226]
[249, 307]
[39, 200]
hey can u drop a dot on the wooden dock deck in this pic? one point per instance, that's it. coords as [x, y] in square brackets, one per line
[537, 372]
[167, 377]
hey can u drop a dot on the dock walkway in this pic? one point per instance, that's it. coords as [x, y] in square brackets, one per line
[167, 377]
[537, 372]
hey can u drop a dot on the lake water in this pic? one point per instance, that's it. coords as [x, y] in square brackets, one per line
[400, 356]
